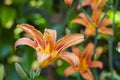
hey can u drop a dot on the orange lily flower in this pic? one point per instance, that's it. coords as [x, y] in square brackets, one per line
[47, 49]
[95, 18]
[68, 2]
[93, 3]
[85, 63]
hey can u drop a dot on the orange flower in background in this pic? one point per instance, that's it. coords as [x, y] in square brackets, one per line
[99, 3]
[85, 63]
[47, 49]
[90, 29]
[68, 2]
[93, 3]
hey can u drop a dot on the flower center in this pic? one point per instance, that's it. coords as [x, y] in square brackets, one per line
[46, 56]
[83, 65]
[91, 27]
[46, 50]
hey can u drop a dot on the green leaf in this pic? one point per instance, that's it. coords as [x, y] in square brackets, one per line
[21, 72]
[117, 16]
[1, 72]
[47, 5]
[7, 16]
[36, 3]
[5, 49]
[19, 2]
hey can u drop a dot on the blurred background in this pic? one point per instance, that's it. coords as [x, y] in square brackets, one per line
[53, 14]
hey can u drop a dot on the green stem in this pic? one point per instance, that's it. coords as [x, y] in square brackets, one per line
[69, 12]
[94, 56]
[110, 41]
[110, 57]
[96, 42]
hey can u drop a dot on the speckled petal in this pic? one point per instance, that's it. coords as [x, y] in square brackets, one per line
[68, 41]
[50, 37]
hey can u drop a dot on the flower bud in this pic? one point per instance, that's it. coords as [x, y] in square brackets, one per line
[68, 2]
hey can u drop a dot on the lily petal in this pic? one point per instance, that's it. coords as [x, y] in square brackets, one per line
[25, 41]
[68, 41]
[42, 57]
[79, 21]
[83, 16]
[76, 51]
[70, 58]
[88, 52]
[89, 32]
[95, 64]
[50, 36]
[106, 31]
[33, 33]
[98, 3]
[105, 23]
[94, 6]
[96, 16]
[70, 70]
[84, 3]
[87, 75]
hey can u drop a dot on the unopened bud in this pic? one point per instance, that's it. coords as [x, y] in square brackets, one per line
[68, 2]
